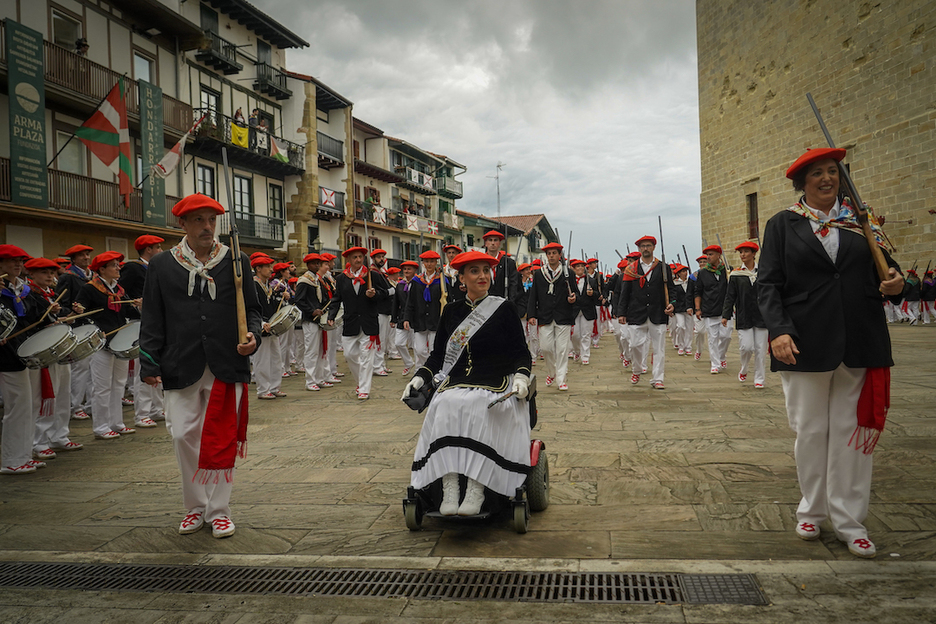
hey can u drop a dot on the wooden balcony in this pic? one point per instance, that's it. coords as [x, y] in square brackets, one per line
[449, 187]
[331, 204]
[330, 151]
[215, 132]
[81, 195]
[81, 84]
[414, 180]
[219, 54]
[254, 230]
[271, 81]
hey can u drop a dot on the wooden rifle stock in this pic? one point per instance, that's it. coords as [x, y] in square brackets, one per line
[880, 263]
[240, 304]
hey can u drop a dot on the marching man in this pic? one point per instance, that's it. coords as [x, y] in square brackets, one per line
[584, 309]
[404, 336]
[682, 332]
[384, 309]
[506, 279]
[424, 307]
[311, 300]
[741, 302]
[550, 308]
[710, 287]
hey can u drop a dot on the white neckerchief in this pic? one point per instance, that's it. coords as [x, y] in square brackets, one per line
[551, 276]
[184, 255]
[751, 274]
[830, 242]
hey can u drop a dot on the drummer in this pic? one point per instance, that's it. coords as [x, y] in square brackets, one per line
[311, 299]
[108, 373]
[76, 275]
[55, 408]
[18, 384]
[266, 360]
[279, 282]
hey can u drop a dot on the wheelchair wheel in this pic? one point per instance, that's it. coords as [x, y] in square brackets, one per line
[538, 484]
[521, 517]
[412, 510]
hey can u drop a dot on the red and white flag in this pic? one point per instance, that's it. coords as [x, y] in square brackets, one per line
[107, 135]
[171, 160]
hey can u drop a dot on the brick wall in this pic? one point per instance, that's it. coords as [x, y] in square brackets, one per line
[870, 66]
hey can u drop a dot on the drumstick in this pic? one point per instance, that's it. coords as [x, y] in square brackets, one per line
[117, 330]
[41, 318]
[69, 319]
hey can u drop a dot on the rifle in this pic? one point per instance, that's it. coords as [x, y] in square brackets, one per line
[235, 259]
[861, 212]
[367, 260]
[727, 268]
[619, 254]
[686, 253]
[666, 269]
[565, 266]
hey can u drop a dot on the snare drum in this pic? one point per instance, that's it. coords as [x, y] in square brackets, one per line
[339, 319]
[284, 319]
[7, 322]
[47, 347]
[90, 340]
[125, 344]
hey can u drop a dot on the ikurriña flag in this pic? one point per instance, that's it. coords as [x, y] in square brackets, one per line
[107, 135]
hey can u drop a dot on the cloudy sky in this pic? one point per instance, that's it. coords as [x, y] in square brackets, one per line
[592, 105]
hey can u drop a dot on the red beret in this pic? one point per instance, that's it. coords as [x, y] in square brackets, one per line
[680, 267]
[409, 263]
[102, 259]
[260, 260]
[433, 255]
[714, 248]
[147, 240]
[592, 260]
[257, 254]
[393, 271]
[645, 238]
[537, 262]
[327, 257]
[77, 249]
[633, 255]
[9, 252]
[377, 252]
[280, 266]
[576, 262]
[622, 263]
[552, 246]
[524, 266]
[748, 245]
[293, 280]
[196, 201]
[64, 262]
[493, 234]
[455, 247]
[812, 155]
[41, 263]
[472, 256]
[352, 250]
[312, 257]
[701, 258]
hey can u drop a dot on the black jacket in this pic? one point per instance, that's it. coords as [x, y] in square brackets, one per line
[380, 282]
[679, 295]
[453, 289]
[180, 334]
[309, 299]
[400, 297]
[545, 307]
[133, 278]
[741, 302]
[107, 320]
[360, 311]
[33, 307]
[72, 283]
[832, 311]
[928, 290]
[423, 315]
[497, 349]
[711, 288]
[640, 304]
[912, 292]
[506, 273]
[584, 303]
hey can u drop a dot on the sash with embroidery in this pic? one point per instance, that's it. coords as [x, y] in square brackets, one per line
[457, 342]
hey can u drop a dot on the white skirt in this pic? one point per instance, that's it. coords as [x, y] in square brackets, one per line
[460, 434]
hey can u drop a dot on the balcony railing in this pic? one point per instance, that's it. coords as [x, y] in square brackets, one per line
[279, 153]
[330, 151]
[70, 192]
[219, 53]
[271, 81]
[394, 217]
[331, 203]
[416, 180]
[448, 186]
[254, 229]
[66, 70]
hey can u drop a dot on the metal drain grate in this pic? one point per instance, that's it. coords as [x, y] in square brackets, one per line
[417, 584]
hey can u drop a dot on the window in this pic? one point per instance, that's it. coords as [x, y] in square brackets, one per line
[66, 30]
[371, 194]
[72, 158]
[354, 240]
[243, 194]
[357, 150]
[276, 201]
[205, 180]
[209, 19]
[143, 68]
[211, 100]
[264, 53]
[471, 240]
[313, 234]
[752, 219]
[373, 243]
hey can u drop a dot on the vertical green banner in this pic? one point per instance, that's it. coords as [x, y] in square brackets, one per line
[29, 178]
[153, 149]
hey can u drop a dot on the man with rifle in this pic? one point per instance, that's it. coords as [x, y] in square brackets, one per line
[550, 308]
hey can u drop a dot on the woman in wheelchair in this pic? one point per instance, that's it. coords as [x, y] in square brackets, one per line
[480, 353]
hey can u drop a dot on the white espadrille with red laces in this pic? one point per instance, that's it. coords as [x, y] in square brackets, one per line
[862, 547]
[191, 523]
[70, 446]
[807, 531]
[44, 454]
[15, 470]
[222, 527]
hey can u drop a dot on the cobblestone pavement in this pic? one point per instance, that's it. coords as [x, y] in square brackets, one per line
[697, 477]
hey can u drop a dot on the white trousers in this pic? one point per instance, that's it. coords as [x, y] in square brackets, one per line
[331, 358]
[835, 479]
[52, 432]
[718, 340]
[81, 385]
[532, 338]
[21, 399]
[582, 336]
[554, 344]
[108, 378]
[622, 333]
[147, 399]
[753, 344]
[314, 361]
[404, 338]
[299, 342]
[383, 325]
[699, 335]
[185, 417]
[422, 346]
[286, 349]
[643, 337]
[912, 312]
[682, 332]
[890, 311]
[360, 352]
[267, 365]
[928, 311]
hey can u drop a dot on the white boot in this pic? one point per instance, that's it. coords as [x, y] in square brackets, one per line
[449, 505]
[474, 498]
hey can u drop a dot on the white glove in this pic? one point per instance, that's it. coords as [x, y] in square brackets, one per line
[521, 386]
[415, 384]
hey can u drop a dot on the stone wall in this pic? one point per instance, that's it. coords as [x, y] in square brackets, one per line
[870, 66]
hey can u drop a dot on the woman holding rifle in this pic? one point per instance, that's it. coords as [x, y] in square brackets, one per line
[820, 296]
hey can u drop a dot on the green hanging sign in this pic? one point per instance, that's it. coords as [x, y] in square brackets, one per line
[153, 148]
[29, 177]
